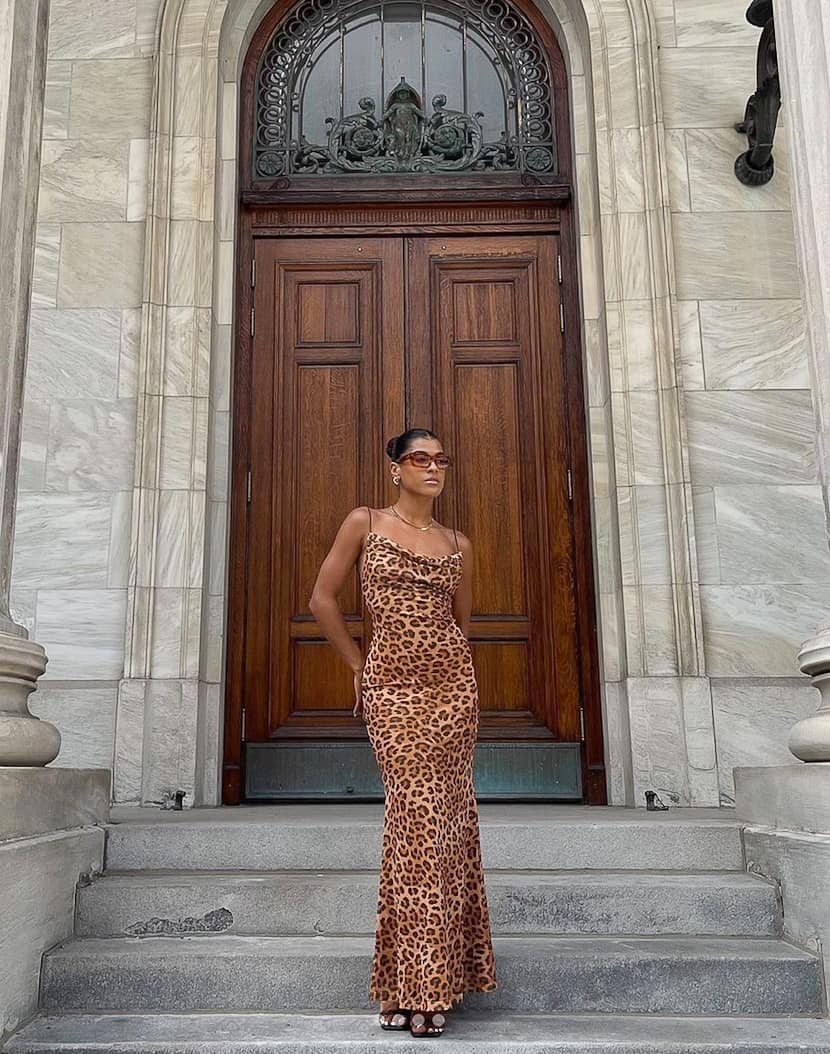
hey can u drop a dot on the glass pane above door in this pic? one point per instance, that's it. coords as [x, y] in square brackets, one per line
[408, 86]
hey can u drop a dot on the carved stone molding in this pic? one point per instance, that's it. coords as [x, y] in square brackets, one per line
[197, 254]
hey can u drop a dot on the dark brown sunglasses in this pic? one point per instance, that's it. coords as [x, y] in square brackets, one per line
[421, 459]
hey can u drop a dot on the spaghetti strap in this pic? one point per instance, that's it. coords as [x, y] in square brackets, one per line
[370, 517]
[456, 538]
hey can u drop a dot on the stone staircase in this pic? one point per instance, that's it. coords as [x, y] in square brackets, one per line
[615, 932]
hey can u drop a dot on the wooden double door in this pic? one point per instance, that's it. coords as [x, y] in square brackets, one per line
[354, 339]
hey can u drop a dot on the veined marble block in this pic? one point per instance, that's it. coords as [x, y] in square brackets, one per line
[137, 176]
[93, 29]
[710, 155]
[62, 542]
[82, 631]
[101, 265]
[771, 534]
[111, 98]
[757, 630]
[691, 349]
[753, 722]
[678, 170]
[83, 181]
[751, 437]
[85, 718]
[73, 354]
[753, 344]
[706, 535]
[721, 256]
[711, 24]
[34, 440]
[91, 445]
[56, 105]
[171, 709]
[47, 260]
[716, 100]
[659, 717]
[618, 739]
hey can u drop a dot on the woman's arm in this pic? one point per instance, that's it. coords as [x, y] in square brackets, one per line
[462, 604]
[334, 570]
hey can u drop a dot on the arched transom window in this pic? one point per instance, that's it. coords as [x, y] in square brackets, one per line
[372, 86]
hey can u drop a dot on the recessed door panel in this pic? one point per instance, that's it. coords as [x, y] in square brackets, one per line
[492, 359]
[327, 339]
[354, 340]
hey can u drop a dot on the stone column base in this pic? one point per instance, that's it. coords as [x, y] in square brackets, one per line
[810, 738]
[24, 739]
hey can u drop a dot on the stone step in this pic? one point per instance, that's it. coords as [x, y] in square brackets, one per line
[466, 1033]
[673, 975]
[330, 837]
[333, 902]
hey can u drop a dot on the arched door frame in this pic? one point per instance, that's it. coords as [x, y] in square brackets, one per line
[380, 188]
[282, 206]
[170, 704]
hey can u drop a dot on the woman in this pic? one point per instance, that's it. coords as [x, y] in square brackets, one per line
[417, 693]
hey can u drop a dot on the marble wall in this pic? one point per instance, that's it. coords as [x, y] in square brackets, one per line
[75, 495]
[763, 562]
[758, 571]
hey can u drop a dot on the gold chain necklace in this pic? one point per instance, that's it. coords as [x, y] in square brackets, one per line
[431, 521]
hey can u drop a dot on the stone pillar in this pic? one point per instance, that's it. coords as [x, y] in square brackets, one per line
[802, 33]
[24, 740]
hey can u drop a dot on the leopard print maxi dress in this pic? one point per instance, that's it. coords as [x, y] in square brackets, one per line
[420, 705]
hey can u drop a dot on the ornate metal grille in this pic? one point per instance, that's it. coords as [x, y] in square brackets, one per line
[461, 54]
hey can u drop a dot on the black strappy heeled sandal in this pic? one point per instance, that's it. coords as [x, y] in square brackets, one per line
[432, 1022]
[394, 1020]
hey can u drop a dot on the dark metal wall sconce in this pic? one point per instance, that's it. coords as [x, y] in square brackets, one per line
[755, 167]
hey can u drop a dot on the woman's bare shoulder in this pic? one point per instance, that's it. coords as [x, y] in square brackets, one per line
[464, 543]
[356, 521]
[452, 533]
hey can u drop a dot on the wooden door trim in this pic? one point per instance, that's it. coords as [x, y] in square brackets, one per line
[407, 205]
[237, 541]
[588, 614]
[443, 217]
[562, 222]
[419, 191]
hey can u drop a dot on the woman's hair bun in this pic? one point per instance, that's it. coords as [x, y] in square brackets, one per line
[397, 445]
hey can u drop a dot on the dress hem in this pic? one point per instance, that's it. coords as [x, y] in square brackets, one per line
[435, 1005]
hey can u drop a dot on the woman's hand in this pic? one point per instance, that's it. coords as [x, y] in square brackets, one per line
[358, 693]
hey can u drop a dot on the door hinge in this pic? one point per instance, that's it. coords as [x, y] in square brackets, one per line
[243, 724]
[562, 318]
[570, 486]
[252, 321]
[581, 722]
[248, 488]
[559, 267]
[253, 272]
